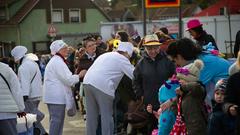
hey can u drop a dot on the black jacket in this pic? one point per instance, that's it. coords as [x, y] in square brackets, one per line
[232, 95]
[219, 122]
[205, 38]
[149, 75]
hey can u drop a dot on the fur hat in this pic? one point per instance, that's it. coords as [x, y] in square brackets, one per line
[18, 52]
[190, 72]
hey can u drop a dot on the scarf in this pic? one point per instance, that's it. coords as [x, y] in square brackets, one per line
[65, 61]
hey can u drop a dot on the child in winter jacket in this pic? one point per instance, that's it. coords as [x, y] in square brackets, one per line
[193, 94]
[220, 123]
[166, 115]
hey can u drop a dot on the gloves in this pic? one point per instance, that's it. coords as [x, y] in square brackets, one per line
[25, 98]
[21, 114]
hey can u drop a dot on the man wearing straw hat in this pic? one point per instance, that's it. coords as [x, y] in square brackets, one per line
[149, 74]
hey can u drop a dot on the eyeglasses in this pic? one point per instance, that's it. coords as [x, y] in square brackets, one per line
[149, 48]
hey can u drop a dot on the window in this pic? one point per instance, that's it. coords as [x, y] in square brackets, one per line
[2, 15]
[1, 51]
[57, 15]
[41, 47]
[74, 15]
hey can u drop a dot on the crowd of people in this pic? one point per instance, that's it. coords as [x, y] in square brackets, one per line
[171, 77]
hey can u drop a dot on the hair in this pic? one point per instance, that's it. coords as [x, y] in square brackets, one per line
[164, 30]
[184, 47]
[198, 29]
[136, 38]
[124, 36]
[162, 36]
[86, 40]
[97, 36]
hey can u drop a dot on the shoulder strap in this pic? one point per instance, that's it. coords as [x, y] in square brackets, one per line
[34, 77]
[5, 81]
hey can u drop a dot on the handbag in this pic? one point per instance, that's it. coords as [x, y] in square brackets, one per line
[179, 128]
[25, 124]
[70, 103]
[136, 115]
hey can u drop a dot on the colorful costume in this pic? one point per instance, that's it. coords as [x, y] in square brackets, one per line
[168, 117]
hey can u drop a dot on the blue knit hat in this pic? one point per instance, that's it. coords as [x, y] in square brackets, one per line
[167, 90]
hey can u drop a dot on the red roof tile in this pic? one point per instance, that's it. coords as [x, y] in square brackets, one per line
[214, 10]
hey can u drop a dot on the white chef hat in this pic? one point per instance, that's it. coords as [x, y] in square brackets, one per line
[32, 56]
[126, 47]
[18, 52]
[56, 46]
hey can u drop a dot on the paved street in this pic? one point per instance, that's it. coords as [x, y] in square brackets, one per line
[72, 126]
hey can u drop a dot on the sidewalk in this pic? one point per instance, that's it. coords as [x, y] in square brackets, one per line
[72, 125]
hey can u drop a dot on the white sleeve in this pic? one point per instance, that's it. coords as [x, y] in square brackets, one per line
[127, 67]
[16, 90]
[65, 75]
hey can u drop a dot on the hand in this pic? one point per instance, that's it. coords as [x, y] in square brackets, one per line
[166, 105]
[21, 114]
[81, 52]
[179, 91]
[82, 73]
[233, 110]
[149, 108]
[159, 111]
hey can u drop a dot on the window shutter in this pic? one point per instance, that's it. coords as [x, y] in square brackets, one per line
[83, 15]
[66, 16]
[48, 16]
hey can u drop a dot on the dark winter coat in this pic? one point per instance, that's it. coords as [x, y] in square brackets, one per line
[149, 75]
[232, 97]
[193, 108]
[125, 93]
[205, 38]
[219, 122]
[85, 63]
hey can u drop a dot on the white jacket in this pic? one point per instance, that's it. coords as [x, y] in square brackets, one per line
[57, 79]
[107, 71]
[26, 73]
[10, 101]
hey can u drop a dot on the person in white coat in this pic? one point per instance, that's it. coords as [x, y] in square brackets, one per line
[30, 82]
[58, 80]
[100, 83]
[11, 100]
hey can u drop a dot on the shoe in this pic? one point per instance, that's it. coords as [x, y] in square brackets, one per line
[84, 117]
